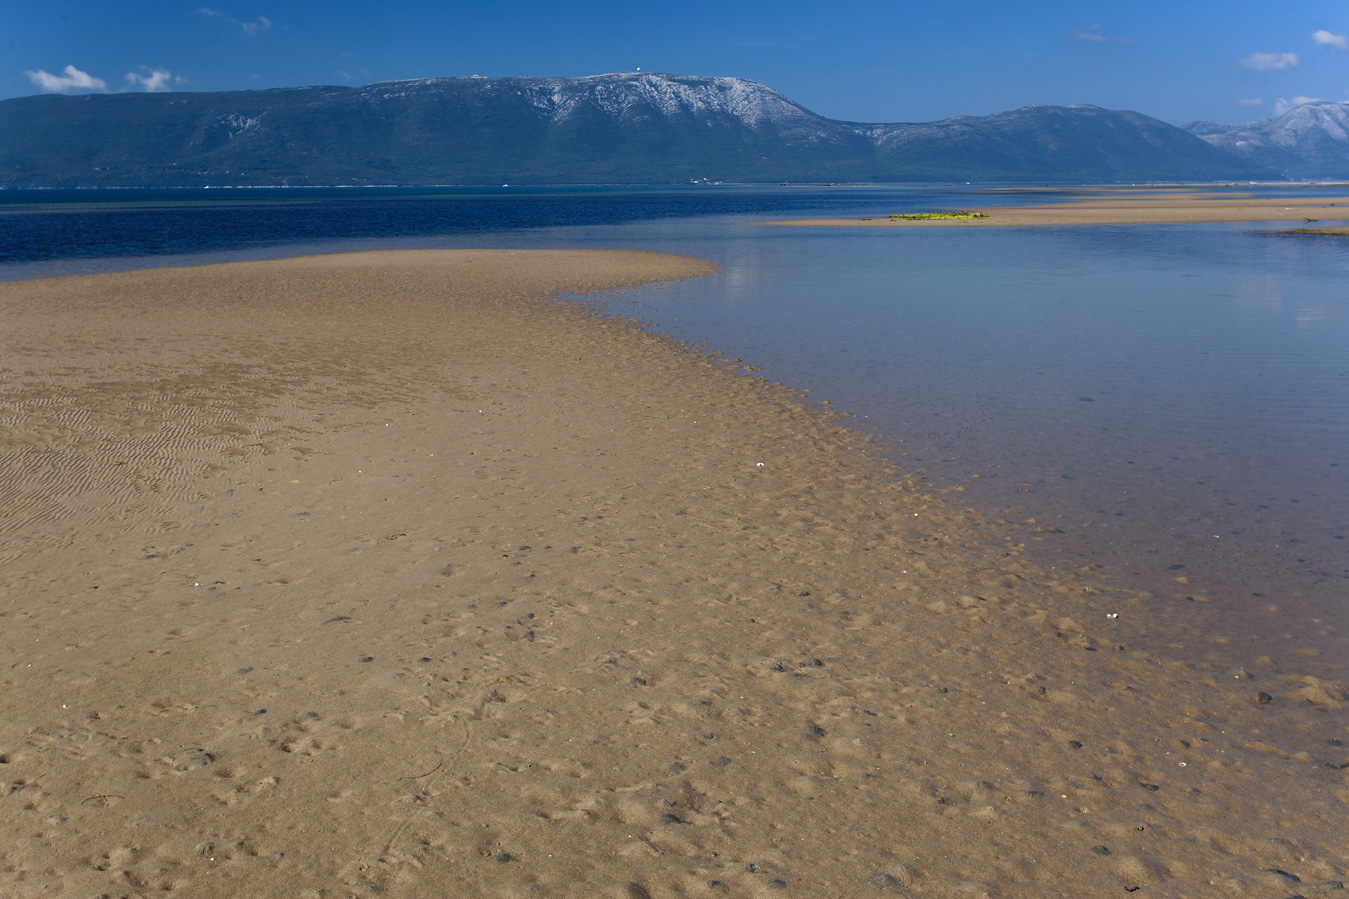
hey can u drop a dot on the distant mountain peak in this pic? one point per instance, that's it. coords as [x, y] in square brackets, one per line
[628, 94]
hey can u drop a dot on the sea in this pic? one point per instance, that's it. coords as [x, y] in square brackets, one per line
[1168, 402]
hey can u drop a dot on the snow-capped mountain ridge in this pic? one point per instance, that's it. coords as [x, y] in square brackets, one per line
[631, 94]
[1307, 141]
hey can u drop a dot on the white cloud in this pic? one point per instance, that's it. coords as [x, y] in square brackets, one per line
[250, 28]
[72, 80]
[1096, 36]
[1265, 62]
[1281, 105]
[156, 80]
[1251, 101]
[1327, 39]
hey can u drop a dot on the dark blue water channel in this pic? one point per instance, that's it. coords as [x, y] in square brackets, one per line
[1170, 401]
[74, 225]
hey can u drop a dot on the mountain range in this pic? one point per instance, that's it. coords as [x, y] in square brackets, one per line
[1308, 142]
[634, 128]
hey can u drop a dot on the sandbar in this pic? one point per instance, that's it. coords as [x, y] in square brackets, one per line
[1125, 206]
[392, 574]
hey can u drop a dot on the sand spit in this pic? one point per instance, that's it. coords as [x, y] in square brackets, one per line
[386, 574]
[1125, 206]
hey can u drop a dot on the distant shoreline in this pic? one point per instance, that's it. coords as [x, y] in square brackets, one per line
[1125, 206]
[1039, 185]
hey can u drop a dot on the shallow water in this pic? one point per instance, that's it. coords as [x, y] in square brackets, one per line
[1172, 402]
[1169, 401]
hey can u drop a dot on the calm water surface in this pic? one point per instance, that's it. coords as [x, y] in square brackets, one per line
[1170, 401]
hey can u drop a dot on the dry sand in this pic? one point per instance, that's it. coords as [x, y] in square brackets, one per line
[387, 574]
[1127, 206]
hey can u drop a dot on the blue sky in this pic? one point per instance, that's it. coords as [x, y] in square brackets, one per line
[895, 61]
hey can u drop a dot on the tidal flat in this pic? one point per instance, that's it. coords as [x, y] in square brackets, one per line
[390, 572]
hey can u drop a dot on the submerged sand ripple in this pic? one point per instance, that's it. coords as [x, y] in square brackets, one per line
[385, 574]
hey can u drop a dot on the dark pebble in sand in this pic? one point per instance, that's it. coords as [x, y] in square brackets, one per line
[197, 758]
[637, 891]
[260, 712]
[337, 618]
[504, 857]
[424, 659]
[1101, 850]
[1334, 741]
[367, 658]
[1075, 744]
[1291, 878]
[1263, 698]
[1153, 788]
[817, 730]
[882, 881]
[671, 818]
[777, 884]
[752, 868]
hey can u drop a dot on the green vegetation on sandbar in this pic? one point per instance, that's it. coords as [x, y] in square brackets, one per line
[931, 216]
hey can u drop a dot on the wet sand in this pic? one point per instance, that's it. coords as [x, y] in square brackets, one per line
[388, 574]
[1340, 231]
[1127, 206]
